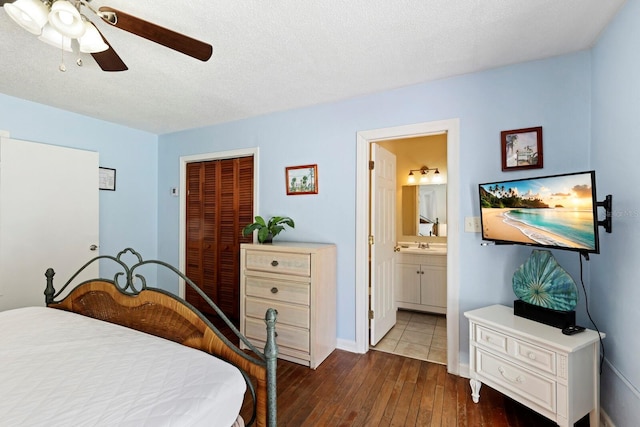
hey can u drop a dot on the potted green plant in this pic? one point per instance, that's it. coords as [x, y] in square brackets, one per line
[268, 230]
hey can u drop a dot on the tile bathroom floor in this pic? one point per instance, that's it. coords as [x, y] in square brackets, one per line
[417, 335]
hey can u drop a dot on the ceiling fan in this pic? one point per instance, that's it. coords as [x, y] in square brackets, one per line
[58, 22]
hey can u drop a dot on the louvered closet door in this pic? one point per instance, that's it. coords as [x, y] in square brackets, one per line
[219, 205]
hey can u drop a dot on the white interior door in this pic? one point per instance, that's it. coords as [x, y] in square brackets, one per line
[383, 225]
[48, 217]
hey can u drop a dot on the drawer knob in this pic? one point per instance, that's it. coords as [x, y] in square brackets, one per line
[531, 356]
[274, 263]
[274, 290]
[517, 380]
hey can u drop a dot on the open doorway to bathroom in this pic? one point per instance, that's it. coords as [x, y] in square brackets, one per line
[420, 282]
[365, 139]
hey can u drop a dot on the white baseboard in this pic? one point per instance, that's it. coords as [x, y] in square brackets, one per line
[464, 370]
[605, 421]
[347, 345]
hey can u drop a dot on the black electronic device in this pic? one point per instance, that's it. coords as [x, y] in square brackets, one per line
[554, 212]
[573, 329]
[555, 318]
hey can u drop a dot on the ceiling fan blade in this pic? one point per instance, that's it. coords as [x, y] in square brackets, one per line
[155, 33]
[109, 60]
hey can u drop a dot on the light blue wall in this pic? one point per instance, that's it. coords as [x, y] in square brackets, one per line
[553, 93]
[128, 216]
[615, 289]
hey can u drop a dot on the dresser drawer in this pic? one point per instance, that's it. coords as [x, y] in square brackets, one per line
[286, 336]
[533, 356]
[298, 264]
[523, 352]
[277, 290]
[491, 339]
[534, 389]
[288, 314]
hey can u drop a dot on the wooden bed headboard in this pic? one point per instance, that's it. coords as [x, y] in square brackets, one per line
[160, 313]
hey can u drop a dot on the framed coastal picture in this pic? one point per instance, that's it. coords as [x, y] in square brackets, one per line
[302, 179]
[521, 149]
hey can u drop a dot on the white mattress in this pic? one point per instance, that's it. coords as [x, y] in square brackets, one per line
[63, 369]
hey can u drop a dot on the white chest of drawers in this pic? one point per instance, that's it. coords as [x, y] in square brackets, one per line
[535, 364]
[299, 281]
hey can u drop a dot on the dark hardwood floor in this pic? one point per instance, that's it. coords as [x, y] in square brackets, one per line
[382, 389]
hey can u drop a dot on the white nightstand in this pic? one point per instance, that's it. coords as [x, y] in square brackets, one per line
[554, 374]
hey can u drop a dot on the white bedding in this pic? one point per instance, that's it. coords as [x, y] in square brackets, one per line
[64, 369]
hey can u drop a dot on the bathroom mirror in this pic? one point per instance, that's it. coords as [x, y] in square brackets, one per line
[422, 207]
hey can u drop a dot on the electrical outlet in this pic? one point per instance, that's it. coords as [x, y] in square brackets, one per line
[472, 224]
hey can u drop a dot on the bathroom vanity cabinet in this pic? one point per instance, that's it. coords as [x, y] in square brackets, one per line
[421, 282]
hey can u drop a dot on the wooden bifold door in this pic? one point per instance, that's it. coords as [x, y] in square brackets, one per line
[219, 204]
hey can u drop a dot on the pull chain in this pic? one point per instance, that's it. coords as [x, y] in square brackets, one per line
[62, 67]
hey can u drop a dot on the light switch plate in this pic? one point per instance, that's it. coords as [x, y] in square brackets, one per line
[472, 224]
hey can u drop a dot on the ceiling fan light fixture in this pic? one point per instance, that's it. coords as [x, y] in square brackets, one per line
[52, 37]
[66, 19]
[29, 14]
[91, 41]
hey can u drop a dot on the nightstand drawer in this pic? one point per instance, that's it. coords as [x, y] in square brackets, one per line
[298, 264]
[527, 354]
[286, 336]
[533, 388]
[288, 314]
[261, 287]
[534, 356]
[491, 339]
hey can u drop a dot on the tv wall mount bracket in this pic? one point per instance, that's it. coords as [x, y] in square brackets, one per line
[606, 204]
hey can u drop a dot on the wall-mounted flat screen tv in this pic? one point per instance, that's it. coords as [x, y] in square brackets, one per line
[556, 212]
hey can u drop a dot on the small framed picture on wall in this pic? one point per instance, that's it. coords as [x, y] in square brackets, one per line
[107, 179]
[521, 149]
[302, 179]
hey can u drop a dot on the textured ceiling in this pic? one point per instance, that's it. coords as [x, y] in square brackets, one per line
[277, 55]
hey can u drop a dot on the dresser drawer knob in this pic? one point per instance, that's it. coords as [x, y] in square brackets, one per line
[274, 263]
[274, 290]
[531, 356]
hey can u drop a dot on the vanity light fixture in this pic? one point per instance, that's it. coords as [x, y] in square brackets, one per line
[424, 170]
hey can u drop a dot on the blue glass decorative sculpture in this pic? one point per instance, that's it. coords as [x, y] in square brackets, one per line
[541, 281]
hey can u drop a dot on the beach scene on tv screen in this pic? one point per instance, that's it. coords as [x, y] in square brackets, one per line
[551, 211]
